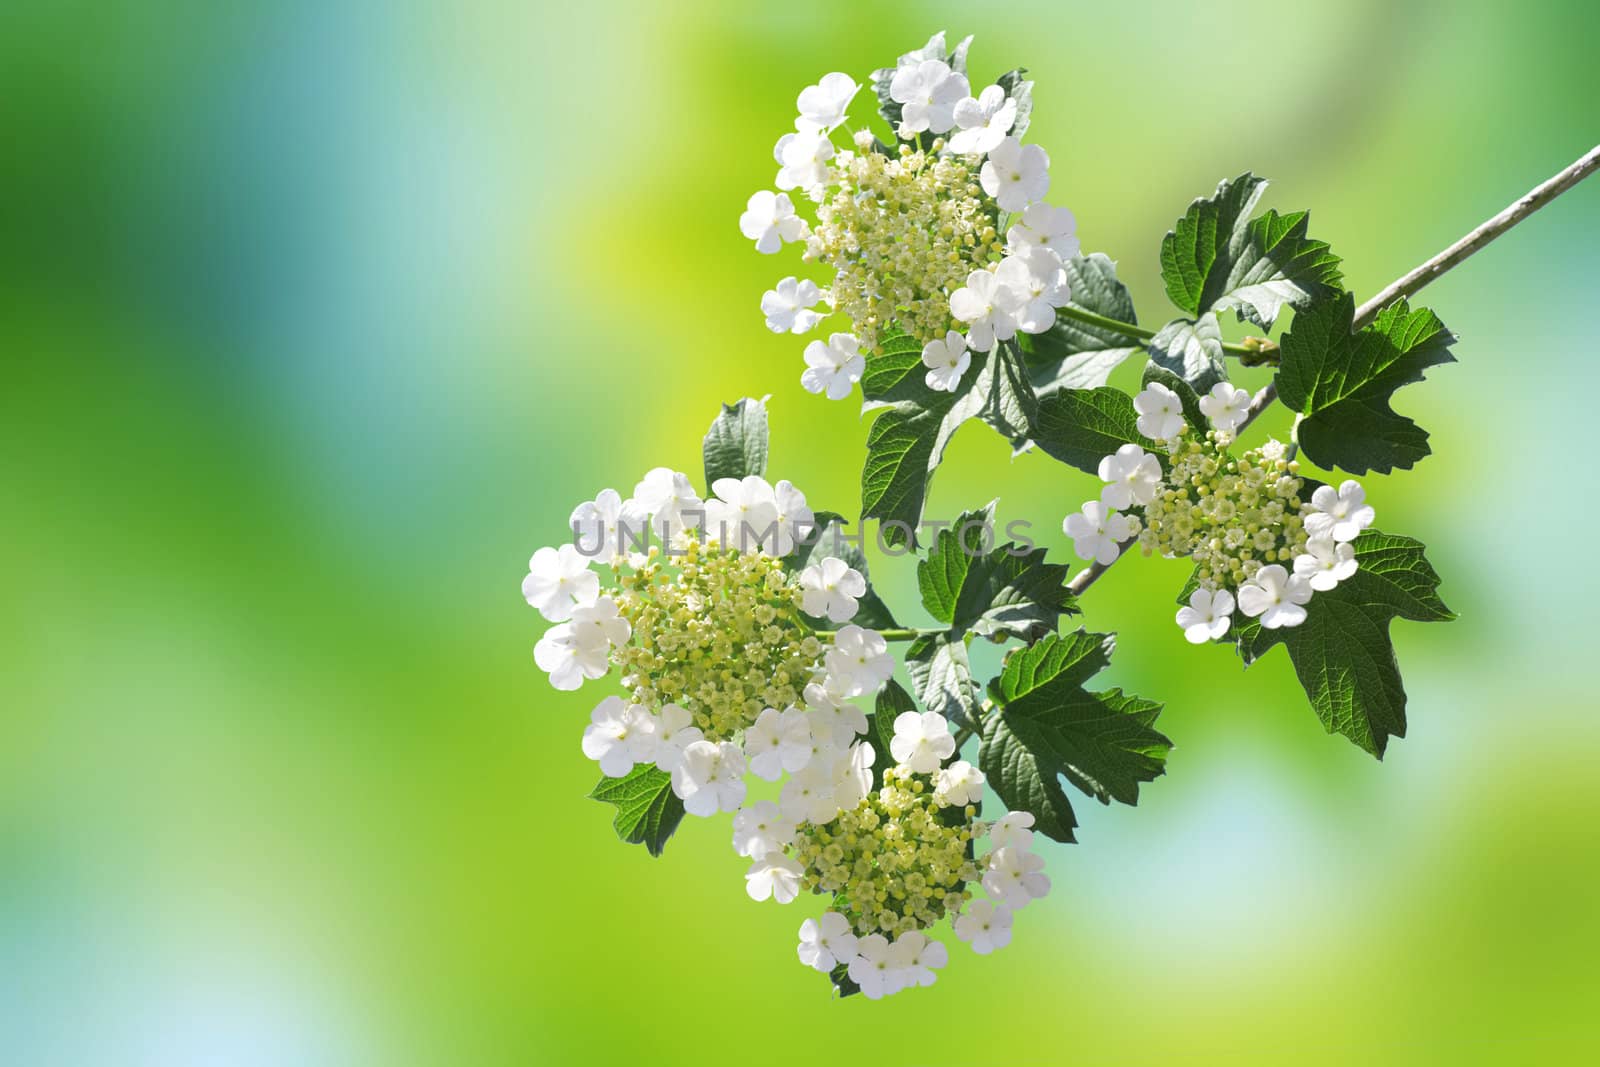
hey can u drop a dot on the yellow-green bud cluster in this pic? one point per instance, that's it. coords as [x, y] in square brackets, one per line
[1234, 516]
[718, 633]
[903, 233]
[894, 862]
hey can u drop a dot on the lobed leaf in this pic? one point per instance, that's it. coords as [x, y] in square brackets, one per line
[648, 811]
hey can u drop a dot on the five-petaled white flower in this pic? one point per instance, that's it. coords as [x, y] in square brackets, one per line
[984, 121]
[1012, 830]
[1226, 406]
[599, 625]
[1040, 284]
[1340, 514]
[872, 969]
[829, 701]
[833, 367]
[568, 660]
[1044, 226]
[928, 93]
[1207, 617]
[778, 741]
[988, 306]
[790, 513]
[921, 741]
[1016, 174]
[618, 736]
[675, 731]
[958, 785]
[803, 162]
[1097, 532]
[558, 579]
[760, 829]
[769, 220]
[828, 590]
[1325, 563]
[1160, 412]
[744, 514]
[1014, 877]
[947, 359]
[826, 942]
[985, 927]
[608, 526]
[710, 778]
[822, 106]
[1132, 476]
[665, 494]
[862, 656]
[774, 875]
[1276, 596]
[788, 307]
[915, 956]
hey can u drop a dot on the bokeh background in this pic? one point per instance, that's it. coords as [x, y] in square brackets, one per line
[317, 320]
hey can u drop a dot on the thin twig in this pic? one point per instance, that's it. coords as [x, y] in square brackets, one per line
[1407, 285]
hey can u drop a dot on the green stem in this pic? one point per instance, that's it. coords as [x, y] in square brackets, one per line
[1252, 347]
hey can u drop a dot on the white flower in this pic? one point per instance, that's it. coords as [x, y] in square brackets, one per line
[1325, 563]
[827, 942]
[1207, 617]
[608, 526]
[822, 106]
[778, 741]
[710, 778]
[929, 93]
[664, 495]
[1160, 412]
[1132, 475]
[808, 795]
[557, 579]
[829, 590]
[569, 660]
[1015, 174]
[984, 121]
[1013, 877]
[916, 957]
[872, 969]
[862, 656]
[1275, 596]
[832, 368]
[852, 775]
[988, 306]
[985, 927]
[598, 625]
[769, 220]
[791, 514]
[761, 829]
[1097, 532]
[921, 741]
[1340, 515]
[803, 159]
[1042, 282]
[947, 360]
[1226, 406]
[829, 701]
[618, 736]
[675, 731]
[744, 513]
[788, 307]
[774, 875]
[1012, 830]
[1044, 226]
[958, 785]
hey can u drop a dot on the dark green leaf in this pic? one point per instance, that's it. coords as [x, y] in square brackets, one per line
[1191, 350]
[943, 677]
[1080, 427]
[995, 591]
[1342, 383]
[647, 809]
[955, 550]
[1046, 726]
[1217, 258]
[1071, 355]
[842, 984]
[736, 444]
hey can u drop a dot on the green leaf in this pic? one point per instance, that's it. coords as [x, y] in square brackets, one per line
[1002, 396]
[1191, 350]
[842, 983]
[955, 549]
[1071, 355]
[943, 678]
[1046, 727]
[1342, 383]
[1343, 654]
[1217, 258]
[831, 541]
[996, 591]
[904, 446]
[1018, 88]
[1080, 427]
[736, 444]
[647, 809]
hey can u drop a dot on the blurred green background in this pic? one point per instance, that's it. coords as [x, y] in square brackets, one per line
[316, 319]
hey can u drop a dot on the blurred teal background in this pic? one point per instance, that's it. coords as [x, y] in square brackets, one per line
[316, 319]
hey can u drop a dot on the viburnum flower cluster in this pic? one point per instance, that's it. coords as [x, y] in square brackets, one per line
[943, 234]
[1261, 547]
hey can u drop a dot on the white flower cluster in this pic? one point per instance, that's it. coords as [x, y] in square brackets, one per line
[912, 233]
[724, 676]
[1259, 547]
